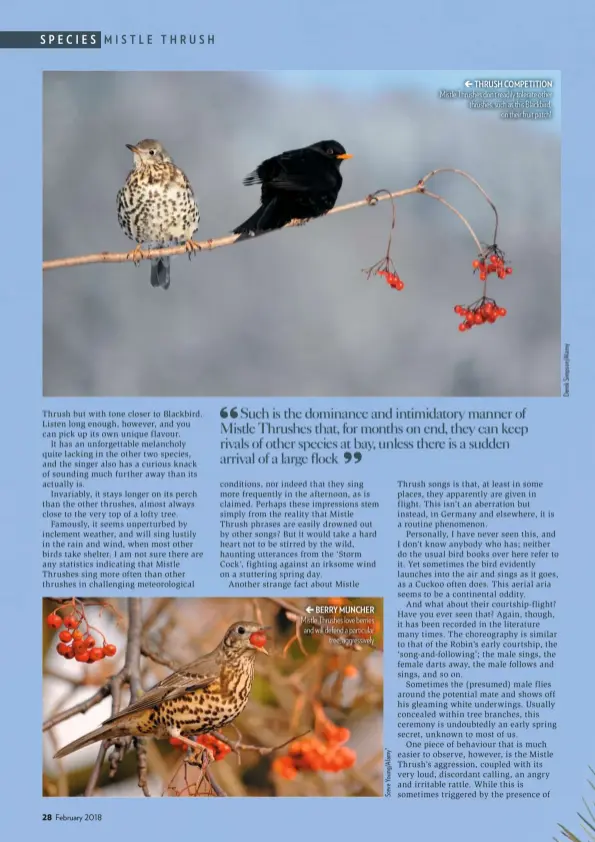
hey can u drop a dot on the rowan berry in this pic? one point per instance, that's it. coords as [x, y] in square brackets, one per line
[54, 621]
[109, 650]
[71, 621]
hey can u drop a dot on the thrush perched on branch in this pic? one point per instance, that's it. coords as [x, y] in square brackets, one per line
[156, 206]
[200, 697]
[299, 184]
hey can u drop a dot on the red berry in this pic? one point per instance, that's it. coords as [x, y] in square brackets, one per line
[258, 639]
[90, 641]
[83, 657]
[482, 276]
[54, 621]
[62, 649]
[502, 311]
[65, 636]
[494, 259]
[462, 327]
[71, 621]
[109, 650]
[96, 654]
[509, 270]
[69, 654]
[478, 318]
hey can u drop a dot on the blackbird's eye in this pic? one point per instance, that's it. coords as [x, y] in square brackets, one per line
[241, 630]
[330, 151]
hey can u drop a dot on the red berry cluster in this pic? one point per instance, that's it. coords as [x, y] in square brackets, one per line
[482, 311]
[492, 262]
[218, 749]
[392, 279]
[322, 752]
[76, 640]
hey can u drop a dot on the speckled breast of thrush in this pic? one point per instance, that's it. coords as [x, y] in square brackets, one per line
[201, 697]
[156, 207]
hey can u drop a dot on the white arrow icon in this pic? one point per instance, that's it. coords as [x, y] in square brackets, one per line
[309, 609]
[468, 84]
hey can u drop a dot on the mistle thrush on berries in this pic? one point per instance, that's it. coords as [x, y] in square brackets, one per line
[196, 699]
[156, 206]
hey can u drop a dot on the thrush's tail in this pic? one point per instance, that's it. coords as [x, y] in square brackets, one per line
[266, 218]
[102, 733]
[160, 272]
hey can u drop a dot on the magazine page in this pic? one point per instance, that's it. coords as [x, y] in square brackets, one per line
[299, 451]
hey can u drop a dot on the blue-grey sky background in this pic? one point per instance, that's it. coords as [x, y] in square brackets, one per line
[292, 313]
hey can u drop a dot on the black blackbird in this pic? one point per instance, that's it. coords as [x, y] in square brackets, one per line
[299, 184]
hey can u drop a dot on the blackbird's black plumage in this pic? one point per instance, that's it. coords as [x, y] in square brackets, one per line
[299, 184]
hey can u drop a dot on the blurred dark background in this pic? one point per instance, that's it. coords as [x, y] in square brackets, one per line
[291, 313]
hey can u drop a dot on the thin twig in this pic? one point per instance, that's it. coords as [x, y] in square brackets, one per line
[213, 784]
[228, 240]
[148, 651]
[460, 215]
[82, 707]
[473, 181]
[263, 751]
[206, 245]
[132, 668]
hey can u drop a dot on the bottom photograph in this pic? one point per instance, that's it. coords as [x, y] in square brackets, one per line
[248, 697]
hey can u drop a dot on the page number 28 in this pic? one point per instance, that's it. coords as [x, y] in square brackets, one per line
[46, 817]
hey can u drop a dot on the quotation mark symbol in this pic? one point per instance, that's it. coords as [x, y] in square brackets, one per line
[357, 456]
[233, 412]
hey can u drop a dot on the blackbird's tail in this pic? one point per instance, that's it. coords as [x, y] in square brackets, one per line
[160, 272]
[106, 731]
[266, 218]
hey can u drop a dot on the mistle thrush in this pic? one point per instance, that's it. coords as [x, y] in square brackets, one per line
[299, 184]
[156, 206]
[196, 699]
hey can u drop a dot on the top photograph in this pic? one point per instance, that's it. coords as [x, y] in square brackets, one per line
[301, 234]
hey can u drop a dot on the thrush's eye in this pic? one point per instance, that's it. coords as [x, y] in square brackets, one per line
[241, 630]
[151, 152]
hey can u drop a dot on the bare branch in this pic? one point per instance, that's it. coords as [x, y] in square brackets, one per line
[82, 707]
[206, 245]
[263, 751]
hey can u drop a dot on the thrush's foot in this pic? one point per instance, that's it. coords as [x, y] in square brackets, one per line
[136, 255]
[191, 248]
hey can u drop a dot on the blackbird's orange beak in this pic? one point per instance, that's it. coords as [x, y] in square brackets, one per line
[344, 156]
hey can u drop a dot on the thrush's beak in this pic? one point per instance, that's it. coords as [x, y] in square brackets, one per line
[344, 156]
[132, 148]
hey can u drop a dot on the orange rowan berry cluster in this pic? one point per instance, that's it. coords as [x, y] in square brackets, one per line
[76, 639]
[483, 311]
[218, 749]
[392, 279]
[324, 751]
[492, 262]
